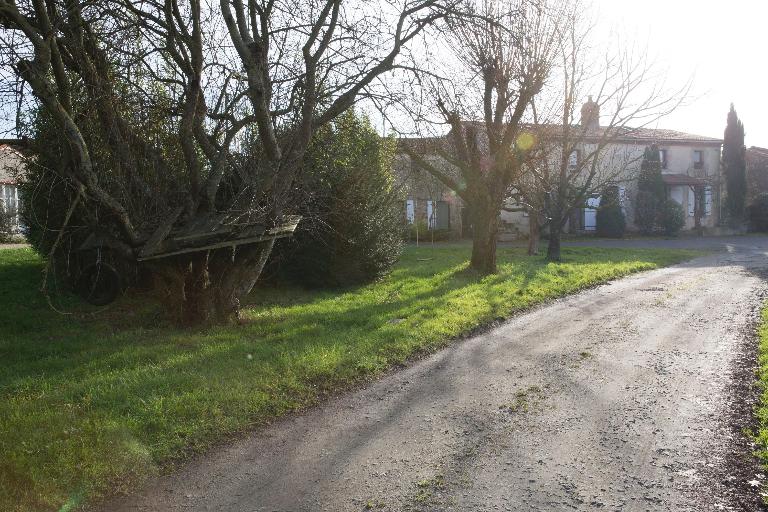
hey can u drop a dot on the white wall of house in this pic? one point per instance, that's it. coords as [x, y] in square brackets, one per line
[680, 160]
[621, 163]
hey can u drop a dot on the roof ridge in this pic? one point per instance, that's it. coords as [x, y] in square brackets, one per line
[644, 134]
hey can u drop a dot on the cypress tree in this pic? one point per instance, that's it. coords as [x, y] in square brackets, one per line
[734, 167]
[650, 191]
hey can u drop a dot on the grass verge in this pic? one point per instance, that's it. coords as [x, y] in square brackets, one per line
[761, 438]
[90, 407]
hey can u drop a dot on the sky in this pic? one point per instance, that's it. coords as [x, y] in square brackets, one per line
[722, 44]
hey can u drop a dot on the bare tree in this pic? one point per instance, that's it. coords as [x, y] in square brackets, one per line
[505, 51]
[578, 152]
[266, 72]
[516, 139]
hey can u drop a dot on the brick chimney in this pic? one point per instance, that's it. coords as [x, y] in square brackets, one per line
[590, 115]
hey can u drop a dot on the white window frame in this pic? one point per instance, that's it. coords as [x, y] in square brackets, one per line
[431, 214]
[410, 211]
[707, 201]
[623, 199]
[9, 200]
[691, 202]
[663, 155]
[673, 191]
[9, 196]
[573, 160]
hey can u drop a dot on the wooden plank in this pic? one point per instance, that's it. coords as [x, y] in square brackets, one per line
[289, 226]
[220, 245]
[162, 231]
[280, 231]
[203, 229]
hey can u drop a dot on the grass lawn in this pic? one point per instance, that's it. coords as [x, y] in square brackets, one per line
[762, 409]
[93, 406]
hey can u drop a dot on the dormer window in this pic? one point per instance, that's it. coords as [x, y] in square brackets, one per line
[698, 159]
[663, 158]
[573, 160]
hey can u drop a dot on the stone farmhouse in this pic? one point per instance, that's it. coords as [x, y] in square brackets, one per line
[690, 168]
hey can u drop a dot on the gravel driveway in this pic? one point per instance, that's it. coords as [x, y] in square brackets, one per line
[618, 398]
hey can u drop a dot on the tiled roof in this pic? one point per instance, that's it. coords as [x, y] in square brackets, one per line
[643, 136]
[624, 134]
[640, 135]
[661, 135]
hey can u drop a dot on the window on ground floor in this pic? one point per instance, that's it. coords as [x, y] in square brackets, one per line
[573, 160]
[676, 194]
[623, 200]
[9, 201]
[10, 198]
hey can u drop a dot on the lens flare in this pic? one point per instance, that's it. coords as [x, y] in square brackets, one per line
[525, 141]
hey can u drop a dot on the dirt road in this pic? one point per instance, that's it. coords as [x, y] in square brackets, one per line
[617, 398]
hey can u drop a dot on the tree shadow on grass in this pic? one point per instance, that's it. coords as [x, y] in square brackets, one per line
[159, 381]
[35, 332]
[54, 346]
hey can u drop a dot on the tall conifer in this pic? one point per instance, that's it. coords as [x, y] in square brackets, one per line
[650, 191]
[734, 167]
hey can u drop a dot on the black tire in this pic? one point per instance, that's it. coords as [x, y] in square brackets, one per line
[99, 284]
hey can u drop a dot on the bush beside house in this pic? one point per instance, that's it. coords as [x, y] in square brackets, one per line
[671, 218]
[352, 228]
[420, 231]
[610, 218]
[6, 225]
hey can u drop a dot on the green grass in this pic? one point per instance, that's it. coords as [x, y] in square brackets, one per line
[761, 438]
[90, 405]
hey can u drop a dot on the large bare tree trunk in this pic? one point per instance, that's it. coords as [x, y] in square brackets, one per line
[211, 287]
[553, 248]
[484, 239]
[698, 192]
[238, 281]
